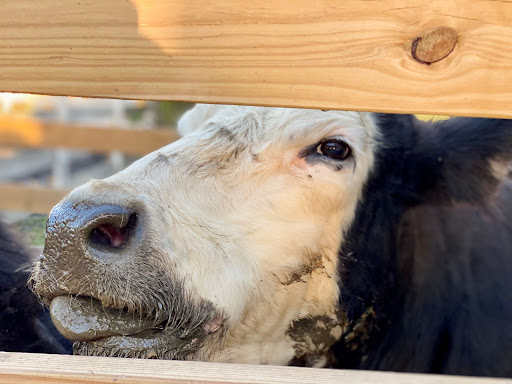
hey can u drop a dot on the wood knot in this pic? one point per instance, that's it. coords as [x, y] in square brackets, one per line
[434, 45]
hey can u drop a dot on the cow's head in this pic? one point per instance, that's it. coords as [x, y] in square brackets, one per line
[223, 246]
[224, 243]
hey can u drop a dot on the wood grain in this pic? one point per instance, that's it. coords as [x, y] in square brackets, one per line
[30, 133]
[329, 54]
[46, 369]
[29, 198]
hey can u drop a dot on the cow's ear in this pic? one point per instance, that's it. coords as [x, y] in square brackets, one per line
[460, 159]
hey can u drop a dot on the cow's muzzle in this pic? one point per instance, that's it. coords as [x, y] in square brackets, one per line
[99, 233]
[111, 292]
[86, 242]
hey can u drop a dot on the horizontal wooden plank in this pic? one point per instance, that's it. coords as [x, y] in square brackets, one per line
[31, 133]
[329, 54]
[26, 198]
[39, 368]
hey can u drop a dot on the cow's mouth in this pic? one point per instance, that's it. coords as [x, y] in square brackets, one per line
[97, 330]
[85, 319]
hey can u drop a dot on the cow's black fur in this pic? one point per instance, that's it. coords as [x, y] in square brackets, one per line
[25, 326]
[427, 265]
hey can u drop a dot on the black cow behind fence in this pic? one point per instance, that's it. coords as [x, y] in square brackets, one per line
[25, 325]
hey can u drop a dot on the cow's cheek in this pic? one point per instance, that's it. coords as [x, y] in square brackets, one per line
[273, 332]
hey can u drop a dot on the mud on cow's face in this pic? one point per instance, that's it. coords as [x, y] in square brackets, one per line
[221, 246]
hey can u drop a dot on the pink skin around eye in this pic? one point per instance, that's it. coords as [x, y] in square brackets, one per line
[300, 163]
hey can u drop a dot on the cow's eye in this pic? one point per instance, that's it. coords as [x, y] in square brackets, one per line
[335, 149]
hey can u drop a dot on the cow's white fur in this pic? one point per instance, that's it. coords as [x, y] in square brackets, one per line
[238, 212]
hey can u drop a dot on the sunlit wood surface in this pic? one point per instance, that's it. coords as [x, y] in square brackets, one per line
[53, 369]
[351, 54]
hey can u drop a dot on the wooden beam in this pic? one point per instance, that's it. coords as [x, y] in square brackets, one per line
[54, 369]
[329, 54]
[35, 199]
[31, 133]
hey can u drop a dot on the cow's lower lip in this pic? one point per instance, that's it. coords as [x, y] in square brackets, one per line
[100, 331]
[85, 319]
[147, 344]
[145, 340]
[161, 346]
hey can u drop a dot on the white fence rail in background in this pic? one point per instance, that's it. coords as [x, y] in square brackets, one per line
[23, 132]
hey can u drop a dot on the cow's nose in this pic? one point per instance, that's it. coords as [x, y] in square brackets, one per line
[111, 229]
[85, 239]
[95, 231]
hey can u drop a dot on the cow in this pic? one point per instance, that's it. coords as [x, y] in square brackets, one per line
[25, 325]
[289, 236]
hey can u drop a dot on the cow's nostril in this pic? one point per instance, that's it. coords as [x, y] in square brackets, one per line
[111, 235]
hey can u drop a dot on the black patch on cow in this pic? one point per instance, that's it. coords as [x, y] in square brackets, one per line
[25, 325]
[430, 252]
[452, 158]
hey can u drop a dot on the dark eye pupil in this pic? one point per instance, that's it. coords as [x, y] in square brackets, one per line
[336, 150]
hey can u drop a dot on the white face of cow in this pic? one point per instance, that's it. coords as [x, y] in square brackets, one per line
[248, 211]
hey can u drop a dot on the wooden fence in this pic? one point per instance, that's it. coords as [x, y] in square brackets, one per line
[51, 369]
[329, 54]
[20, 132]
[23, 132]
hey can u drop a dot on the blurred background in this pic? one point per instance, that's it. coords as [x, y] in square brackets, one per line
[50, 144]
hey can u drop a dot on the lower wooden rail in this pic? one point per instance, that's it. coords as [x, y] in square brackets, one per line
[55, 369]
[33, 199]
